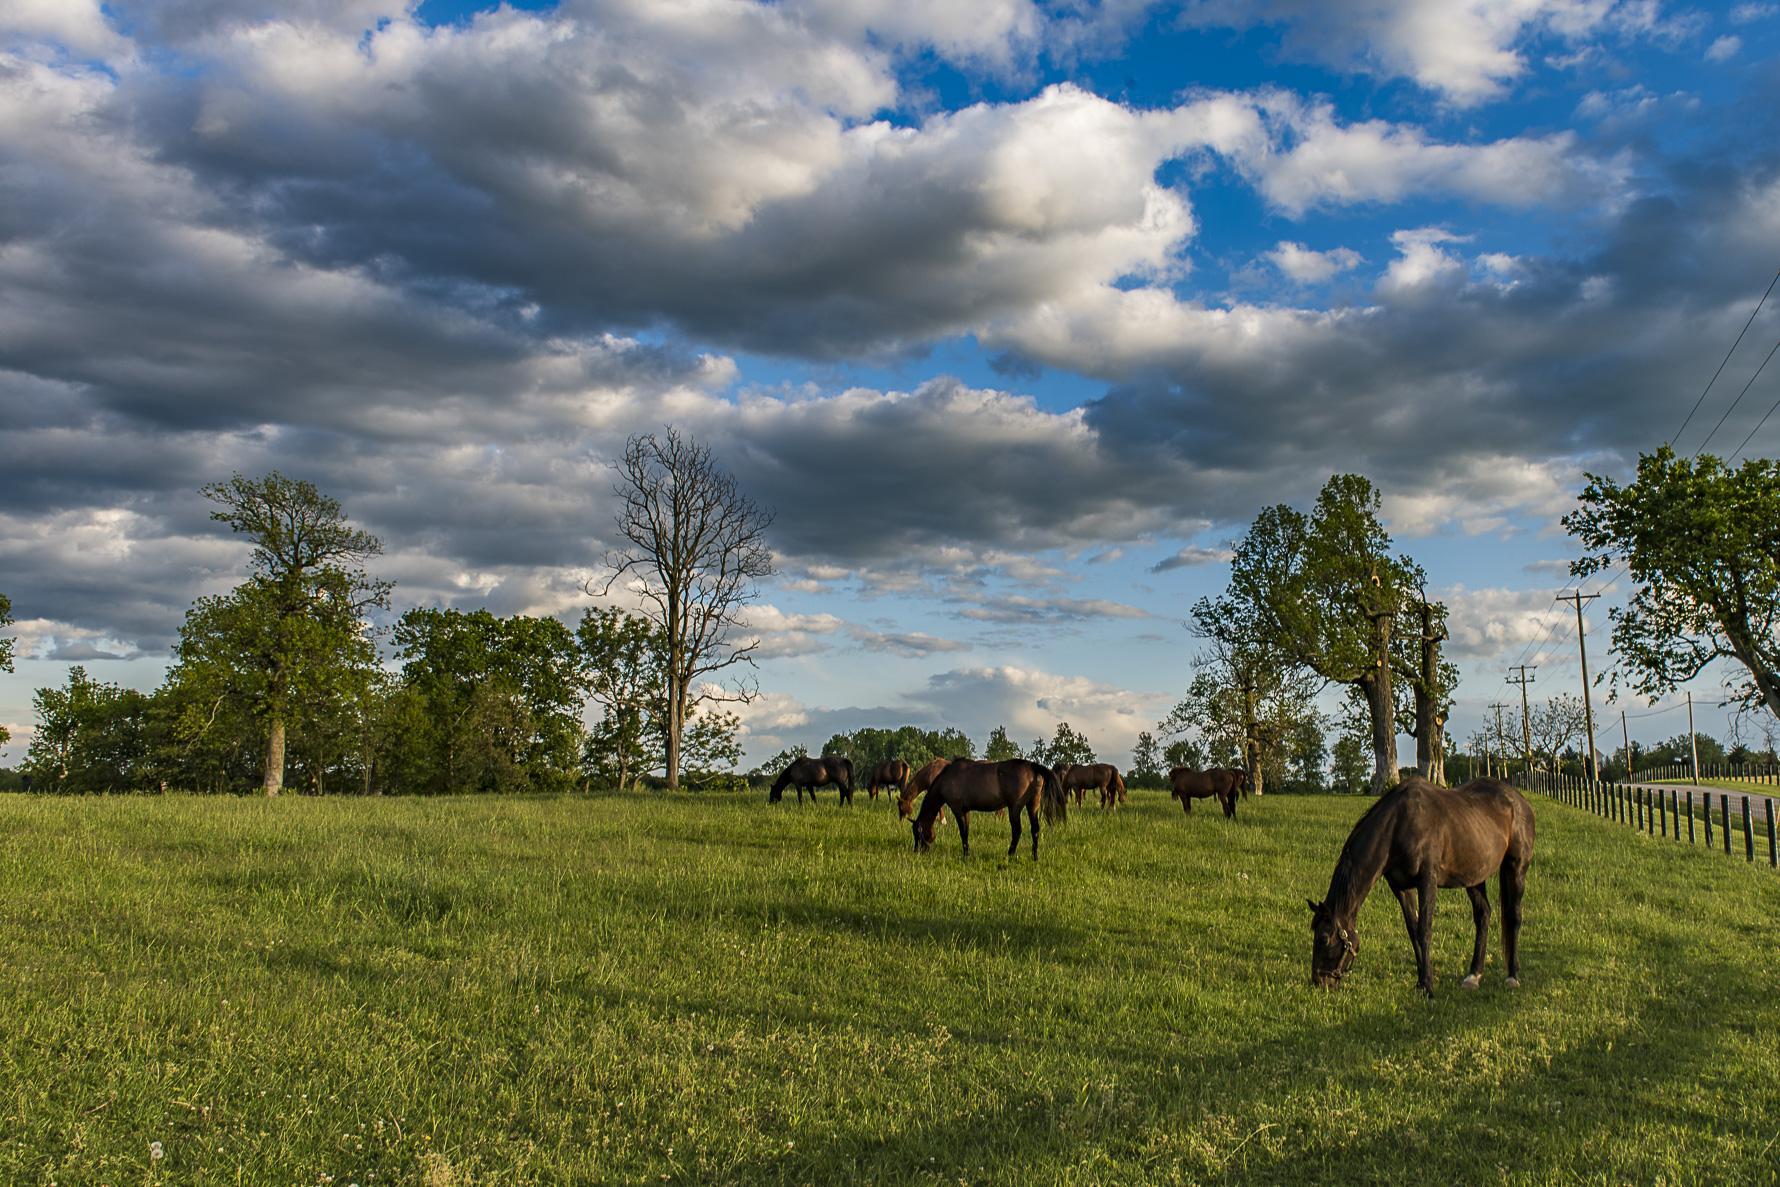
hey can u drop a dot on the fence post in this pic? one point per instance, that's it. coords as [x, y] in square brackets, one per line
[1748, 831]
[1662, 817]
[1706, 802]
[1724, 818]
[1690, 817]
[1773, 849]
[1675, 811]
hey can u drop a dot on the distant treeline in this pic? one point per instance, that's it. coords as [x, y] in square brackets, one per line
[480, 703]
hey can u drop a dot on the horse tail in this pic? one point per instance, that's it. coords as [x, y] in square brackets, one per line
[1056, 800]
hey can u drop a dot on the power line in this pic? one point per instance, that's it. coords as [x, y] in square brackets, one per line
[1727, 358]
[1764, 416]
[1739, 400]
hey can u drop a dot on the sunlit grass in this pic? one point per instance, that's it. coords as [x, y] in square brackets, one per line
[625, 989]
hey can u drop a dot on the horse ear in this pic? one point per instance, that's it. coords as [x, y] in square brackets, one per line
[1314, 905]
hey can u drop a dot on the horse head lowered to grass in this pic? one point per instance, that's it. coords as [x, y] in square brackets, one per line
[967, 786]
[1418, 838]
[810, 773]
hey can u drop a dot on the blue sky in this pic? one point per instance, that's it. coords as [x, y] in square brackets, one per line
[1000, 307]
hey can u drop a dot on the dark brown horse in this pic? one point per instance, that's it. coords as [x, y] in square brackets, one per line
[1102, 777]
[810, 773]
[1225, 783]
[918, 783]
[892, 772]
[968, 786]
[1418, 838]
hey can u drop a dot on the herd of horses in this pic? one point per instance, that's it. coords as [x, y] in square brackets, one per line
[1417, 837]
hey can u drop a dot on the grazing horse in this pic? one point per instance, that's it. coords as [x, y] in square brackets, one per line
[918, 783]
[967, 786]
[892, 772]
[1098, 776]
[1419, 837]
[1225, 783]
[811, 773]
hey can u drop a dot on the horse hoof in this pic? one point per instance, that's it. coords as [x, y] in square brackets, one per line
[1471, 982]
[1514, 982]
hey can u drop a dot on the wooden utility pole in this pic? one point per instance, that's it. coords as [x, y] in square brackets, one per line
[1626, 733]
[1693, 741]
[1588, 712]
[1525, 678]
[1498, 707]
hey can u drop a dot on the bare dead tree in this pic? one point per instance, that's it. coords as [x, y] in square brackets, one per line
[1556, 725]
[696, 549]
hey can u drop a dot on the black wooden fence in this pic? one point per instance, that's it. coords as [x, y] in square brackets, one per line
[1679, 772]
[1660, 811]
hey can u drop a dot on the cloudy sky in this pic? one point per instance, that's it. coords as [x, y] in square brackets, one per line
[1016, 311]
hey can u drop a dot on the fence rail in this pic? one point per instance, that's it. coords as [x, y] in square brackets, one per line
[1766, 774]
[1659, 811]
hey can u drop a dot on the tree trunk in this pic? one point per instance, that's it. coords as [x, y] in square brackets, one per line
[676, 723]
[1437, 751]
[1251, 741]
[1376, 684]
[274, 779]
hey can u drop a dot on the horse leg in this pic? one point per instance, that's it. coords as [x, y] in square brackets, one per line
[1480, 918]
[1013, 844]
[1514, 884]
[1425, 925]
[1032, 819]
[964, 829]
[1186, 802]
[1406, 900]
[1229, 805]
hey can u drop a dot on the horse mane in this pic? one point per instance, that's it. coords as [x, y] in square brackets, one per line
[1363, 836]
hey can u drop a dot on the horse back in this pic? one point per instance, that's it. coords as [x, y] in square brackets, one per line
[1464, 833]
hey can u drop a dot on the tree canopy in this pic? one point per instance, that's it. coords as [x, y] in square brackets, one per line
[1702, 542]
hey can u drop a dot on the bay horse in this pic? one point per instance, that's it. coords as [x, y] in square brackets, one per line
[811, 773]
[892, 772]
[918, 783]
[967, 786]
[1419, 838]
[1187, 785]
[1097, 776]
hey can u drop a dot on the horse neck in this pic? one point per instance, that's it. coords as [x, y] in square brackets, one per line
[930, 807]
[1361, 864]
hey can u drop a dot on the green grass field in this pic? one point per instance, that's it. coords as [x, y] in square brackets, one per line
[643, 990]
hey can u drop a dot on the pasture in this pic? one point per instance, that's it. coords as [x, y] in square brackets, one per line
[637, 989]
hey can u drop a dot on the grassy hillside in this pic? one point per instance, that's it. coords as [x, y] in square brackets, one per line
[645, 990]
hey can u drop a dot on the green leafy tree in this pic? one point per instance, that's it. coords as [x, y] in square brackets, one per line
[869, 746]
[1306, 753]
[1067, 747]
[246, 666]
[1702, 542]
[1350, 767]
[712, 750]
[771, 767]
[1325, 590]
[1184, 752]
[503, 696]
[90, 737]
[623, 660]
[1000, 749]
[1146, 762]
[306, 582]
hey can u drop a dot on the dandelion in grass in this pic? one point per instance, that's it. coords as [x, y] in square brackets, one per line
[155, 1152]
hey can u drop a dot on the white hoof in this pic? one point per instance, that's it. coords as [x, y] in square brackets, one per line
[1514, 982]
[1471, 982]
